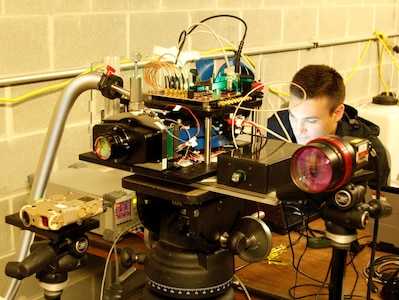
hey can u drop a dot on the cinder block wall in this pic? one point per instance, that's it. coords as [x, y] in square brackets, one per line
[53, 35]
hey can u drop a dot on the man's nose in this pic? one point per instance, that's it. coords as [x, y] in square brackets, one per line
[300, 126]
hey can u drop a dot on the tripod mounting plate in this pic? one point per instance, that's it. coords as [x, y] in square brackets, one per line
[55, 235]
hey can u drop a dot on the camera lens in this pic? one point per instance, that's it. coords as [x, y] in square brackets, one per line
[324, 164]
[102, 147]
[115, 144]
[25, 218]
[312, 170]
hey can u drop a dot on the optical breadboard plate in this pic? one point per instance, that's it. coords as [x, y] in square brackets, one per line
[202, 107]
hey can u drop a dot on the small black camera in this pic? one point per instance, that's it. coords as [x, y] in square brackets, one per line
[130, 139]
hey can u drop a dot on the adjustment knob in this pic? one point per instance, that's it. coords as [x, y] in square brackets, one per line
[238, 176]
[237, 243]
[129, 257]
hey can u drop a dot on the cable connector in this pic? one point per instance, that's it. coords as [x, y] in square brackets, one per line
[238, 122]
[391, 45]
[276, 252]
[319, 242]
[356, 247]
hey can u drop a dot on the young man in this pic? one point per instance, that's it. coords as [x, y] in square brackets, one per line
[323, 112]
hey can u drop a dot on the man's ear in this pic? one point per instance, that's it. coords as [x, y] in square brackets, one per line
[339, 112]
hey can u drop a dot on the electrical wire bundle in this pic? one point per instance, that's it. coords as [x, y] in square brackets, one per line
[175, 82]
[170, 72]
[321, 285]
[185, 33]
[384, 268]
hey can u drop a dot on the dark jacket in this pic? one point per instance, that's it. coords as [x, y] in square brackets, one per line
[350, 125]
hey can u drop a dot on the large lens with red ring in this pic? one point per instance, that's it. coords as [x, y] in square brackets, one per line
[324, 164]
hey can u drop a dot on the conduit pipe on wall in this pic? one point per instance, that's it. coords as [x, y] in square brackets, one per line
[34, 78]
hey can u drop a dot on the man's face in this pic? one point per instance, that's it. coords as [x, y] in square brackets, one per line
[311, 118]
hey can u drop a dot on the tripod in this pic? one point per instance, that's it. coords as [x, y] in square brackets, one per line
[344, 213]
[341, 244]
[63, 251]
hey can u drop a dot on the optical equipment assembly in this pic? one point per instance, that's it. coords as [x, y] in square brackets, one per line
[194, 233]
[171, 138]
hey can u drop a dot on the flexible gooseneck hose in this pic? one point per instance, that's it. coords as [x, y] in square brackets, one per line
[54, 134]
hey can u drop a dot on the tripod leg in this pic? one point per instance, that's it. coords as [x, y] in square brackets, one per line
[338, 265]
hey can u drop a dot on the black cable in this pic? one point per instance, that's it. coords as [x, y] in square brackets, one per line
[184, 34]
[323, 286]
[375, 229]
[307, 295]
[383, 260]
[324, 281]
[352, 263]
[241, 45]
[313, 231]
[296, 267]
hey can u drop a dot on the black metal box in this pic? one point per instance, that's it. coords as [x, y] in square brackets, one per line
[257, 167]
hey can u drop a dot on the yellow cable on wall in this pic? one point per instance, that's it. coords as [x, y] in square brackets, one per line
[50, 88]
[358, 62]
[35, 93]
[382, 38]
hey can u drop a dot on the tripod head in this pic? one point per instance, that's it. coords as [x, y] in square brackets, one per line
[51, 259]
[346, 210]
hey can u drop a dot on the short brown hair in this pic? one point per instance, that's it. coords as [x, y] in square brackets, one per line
[320, 81]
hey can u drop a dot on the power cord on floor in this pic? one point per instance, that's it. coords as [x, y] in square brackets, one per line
[385, 273]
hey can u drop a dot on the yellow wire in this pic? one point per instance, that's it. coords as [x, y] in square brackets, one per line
[273, 90]
[34, 93]
[346, 79]
[50, 88]
[65, 83]
[382, 37]
[380, 73]
[358, 62]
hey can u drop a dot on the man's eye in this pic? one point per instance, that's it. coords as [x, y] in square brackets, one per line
[312, 121]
